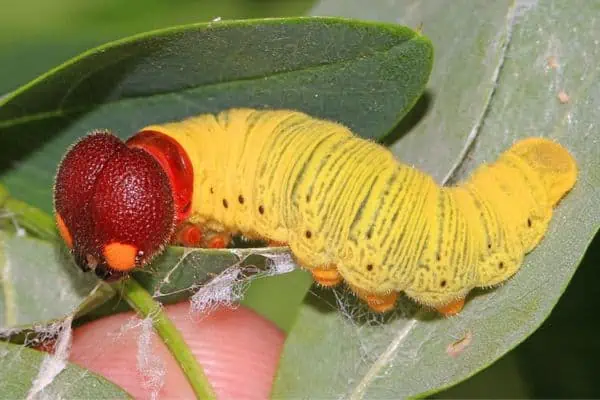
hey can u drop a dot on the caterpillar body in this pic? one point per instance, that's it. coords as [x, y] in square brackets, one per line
[346, 207]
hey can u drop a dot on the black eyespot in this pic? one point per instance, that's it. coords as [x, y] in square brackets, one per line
[308, 234]
[369, 267]
[212, 190]
[261, 209]
[529, 222]
[241, 199]
[489, 245]
[225, 204]
[443, 283]
[500, 265]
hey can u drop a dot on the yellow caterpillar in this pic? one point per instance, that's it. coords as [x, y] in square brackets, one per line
[350, 211]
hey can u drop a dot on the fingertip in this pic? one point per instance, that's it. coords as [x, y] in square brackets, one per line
[238, 349]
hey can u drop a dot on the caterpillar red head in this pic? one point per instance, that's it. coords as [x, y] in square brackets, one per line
[116, 204]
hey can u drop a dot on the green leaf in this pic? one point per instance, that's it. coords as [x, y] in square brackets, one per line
[39, 283]
[22, 215]
[499, 68]
[47, 38]
[365, 75]
[20, 368]
[304, 64]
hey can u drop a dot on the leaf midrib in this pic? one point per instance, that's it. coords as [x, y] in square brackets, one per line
[359, 390]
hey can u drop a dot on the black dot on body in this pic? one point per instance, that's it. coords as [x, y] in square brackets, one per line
[529, 222]
[307, 198]
[241, 199]
[443, 283]
[212, 190]
[261, 209]
[225, 204]
[308, 234]
[369, 267]
[500, 265]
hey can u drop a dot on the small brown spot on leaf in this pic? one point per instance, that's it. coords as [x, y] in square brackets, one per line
[457, 347]
[563, 97]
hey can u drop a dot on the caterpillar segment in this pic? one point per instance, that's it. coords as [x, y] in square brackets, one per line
[349, 211]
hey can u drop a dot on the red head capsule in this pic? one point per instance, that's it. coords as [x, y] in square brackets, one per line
[114, 205]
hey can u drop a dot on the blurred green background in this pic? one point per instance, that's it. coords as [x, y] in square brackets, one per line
[559, 361]
[36, 35]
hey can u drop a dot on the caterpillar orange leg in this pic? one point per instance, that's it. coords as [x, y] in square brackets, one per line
[377, 302]
[327, 277]
[273, 243]
[189, 235]
[218, 240]
[452, 308]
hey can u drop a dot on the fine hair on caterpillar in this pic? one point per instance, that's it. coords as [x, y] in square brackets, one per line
[346, 207]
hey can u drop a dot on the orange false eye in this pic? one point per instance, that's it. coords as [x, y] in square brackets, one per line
[119, 256]
[64, 231]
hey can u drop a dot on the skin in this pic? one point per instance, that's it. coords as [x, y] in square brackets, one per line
[238, 349]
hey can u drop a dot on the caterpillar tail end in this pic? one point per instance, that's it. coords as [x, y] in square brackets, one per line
[555, 165]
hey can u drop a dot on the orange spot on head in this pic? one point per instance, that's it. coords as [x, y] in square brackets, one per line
[64, 231]
[452, 308]
[120, 256]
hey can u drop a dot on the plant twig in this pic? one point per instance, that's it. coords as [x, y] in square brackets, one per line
[141, 301]
[31, 218]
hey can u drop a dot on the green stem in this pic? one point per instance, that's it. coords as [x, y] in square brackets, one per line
[31, 218]
[141, 301]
